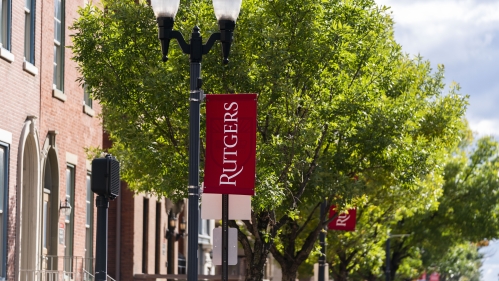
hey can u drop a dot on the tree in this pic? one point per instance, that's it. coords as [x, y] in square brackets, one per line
[467, 210]
[337, 99]
[461, 262]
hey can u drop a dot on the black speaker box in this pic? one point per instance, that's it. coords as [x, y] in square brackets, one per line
[106, 176]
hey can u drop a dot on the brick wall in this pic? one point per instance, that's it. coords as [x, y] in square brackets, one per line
[19, 97]
[23, 94]
[76, 130]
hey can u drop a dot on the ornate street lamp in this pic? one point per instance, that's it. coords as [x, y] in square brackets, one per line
[172, 224]
[226, 12]
[172, 237]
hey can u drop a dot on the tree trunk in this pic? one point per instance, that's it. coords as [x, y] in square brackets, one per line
[256, 250]
[293, 255]
[255, 273]
[371, 277]
[255, 266]
[289, 273]
[398, 254]
[342, 273]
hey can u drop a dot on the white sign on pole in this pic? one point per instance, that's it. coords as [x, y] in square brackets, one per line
[239, 206]
[316, 272]
[217, 246]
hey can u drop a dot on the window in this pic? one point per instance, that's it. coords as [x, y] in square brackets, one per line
[203, 225]
[29, 31]
[4, 179]
[58, 44]
[87, 100]
[89, 224]
[158, 240]
[145, 234]
[5, 24]
[69, 220]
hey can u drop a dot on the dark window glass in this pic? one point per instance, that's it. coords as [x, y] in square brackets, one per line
[89, 235]
[58, 44]
[70, 188]
[29, 31]
[86, 96]
[4, 187]
[5, 24]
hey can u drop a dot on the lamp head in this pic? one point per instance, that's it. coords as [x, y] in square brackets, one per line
[226, 37]
[227, 9]
[172, 221]
[182, 226]
[165, 25]
[226, 12]
[66, 207]
[165, 8]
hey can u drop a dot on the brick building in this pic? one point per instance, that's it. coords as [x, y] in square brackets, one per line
[139, 244]
[45, 125]
[46, 122]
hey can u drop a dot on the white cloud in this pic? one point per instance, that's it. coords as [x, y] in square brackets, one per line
[464, 36]
[462, 28]
[485, 127]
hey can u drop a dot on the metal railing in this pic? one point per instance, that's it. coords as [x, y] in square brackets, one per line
[183, 277]
[91, 277]
[60, 268]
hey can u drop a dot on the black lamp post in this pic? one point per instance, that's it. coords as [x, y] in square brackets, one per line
[172, 237]
[226, 12]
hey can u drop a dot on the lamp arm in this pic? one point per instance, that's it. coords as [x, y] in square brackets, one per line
[211, 41]
[181, 41]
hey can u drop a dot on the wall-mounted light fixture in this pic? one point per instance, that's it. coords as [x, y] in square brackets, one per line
[66, 207]
[172, 224]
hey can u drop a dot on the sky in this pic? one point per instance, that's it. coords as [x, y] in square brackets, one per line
[463, 35]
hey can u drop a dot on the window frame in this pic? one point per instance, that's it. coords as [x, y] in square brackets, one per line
[5, 24]
[87, 100]
[89, 225]
[29, 49]
[58, 77]
[5, 211]
[145, 235]
[69, 224]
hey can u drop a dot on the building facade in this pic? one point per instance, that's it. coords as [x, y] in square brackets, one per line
[47, 210]
[46, 122]
[141, 243]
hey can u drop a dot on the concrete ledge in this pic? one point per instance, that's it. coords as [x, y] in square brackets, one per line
[5, 136]
[6, 55]
[88, 110]
[58, 94]
[28, 67]
[71, 158]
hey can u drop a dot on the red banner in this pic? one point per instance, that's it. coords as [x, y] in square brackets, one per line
[344, 221]
[434, 276]
[230, 144]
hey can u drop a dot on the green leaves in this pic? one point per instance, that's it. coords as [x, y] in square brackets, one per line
[343, 114]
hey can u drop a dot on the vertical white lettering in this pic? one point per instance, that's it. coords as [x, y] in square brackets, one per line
[228, 128]
[228, 178]
[229, 168]
[342, 220]
[230, 145]
[232, 104]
